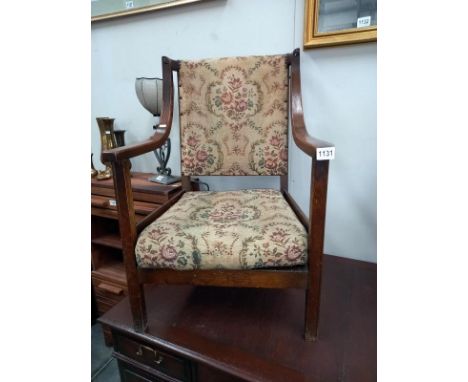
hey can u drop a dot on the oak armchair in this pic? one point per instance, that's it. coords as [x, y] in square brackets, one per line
[234, 115]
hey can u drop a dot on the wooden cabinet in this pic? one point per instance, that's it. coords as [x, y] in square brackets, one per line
[108, 273]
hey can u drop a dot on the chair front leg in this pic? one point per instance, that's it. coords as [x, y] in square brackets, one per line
[318, 202]
[128, 233]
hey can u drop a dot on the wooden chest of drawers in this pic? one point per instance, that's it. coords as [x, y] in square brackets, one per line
[108, 273]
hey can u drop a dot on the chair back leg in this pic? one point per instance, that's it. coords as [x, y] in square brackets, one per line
[186, 183]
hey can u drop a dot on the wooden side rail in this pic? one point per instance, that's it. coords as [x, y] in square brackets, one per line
[246, 278]
[297, 210]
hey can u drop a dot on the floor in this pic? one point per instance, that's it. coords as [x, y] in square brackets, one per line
[103, 365]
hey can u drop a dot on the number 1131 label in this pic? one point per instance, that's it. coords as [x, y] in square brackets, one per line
[325, 153]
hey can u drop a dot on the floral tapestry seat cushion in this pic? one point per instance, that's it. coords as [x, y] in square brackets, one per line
[224, 230]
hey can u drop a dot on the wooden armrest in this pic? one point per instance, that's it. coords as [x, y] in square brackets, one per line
[119, 159]
[126, 152]
[306, 143]
[136, 149]
[301, 137]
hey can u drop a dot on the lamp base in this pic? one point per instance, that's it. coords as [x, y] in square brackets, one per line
[164, 179]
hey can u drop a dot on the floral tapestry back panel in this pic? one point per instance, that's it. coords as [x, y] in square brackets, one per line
[234, 116]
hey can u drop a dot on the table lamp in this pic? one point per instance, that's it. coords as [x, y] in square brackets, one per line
[149, 93]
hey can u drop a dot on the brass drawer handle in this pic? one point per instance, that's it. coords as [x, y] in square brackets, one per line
[158, 357]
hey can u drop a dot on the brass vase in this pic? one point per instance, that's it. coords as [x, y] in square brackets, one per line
[106, 130]
[93, 170]
[120, 137]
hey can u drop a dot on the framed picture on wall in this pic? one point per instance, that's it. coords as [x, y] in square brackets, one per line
[337, 22]
[110, 9]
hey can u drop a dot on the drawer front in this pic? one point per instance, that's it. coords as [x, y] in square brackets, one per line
[107, 293]
[109, 290]
[131, 376]
[150, 355]
[129, 373]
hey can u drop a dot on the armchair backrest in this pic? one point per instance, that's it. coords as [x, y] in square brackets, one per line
[234, 116]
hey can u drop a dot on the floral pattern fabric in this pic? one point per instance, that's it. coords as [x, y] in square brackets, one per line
[224, 230]
[234, 116]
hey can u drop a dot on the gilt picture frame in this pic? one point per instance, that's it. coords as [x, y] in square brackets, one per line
[111, 9]
[338, 22]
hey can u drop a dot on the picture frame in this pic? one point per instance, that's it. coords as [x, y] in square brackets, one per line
[329, 23]
[111, 9]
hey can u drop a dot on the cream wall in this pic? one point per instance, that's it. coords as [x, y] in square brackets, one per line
[339, 94]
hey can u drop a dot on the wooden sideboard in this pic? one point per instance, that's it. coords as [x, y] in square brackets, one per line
[108, 273]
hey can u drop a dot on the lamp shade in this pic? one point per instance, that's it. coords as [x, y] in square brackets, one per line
[149, 93]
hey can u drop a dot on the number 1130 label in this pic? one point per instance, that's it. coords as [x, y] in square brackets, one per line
[325, 153]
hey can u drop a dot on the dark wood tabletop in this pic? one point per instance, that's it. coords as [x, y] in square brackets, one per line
[256, 334]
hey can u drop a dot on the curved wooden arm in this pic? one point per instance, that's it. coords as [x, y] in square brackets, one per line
[124, 195]
[318, 197]
[165, 124]
[302, 138]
